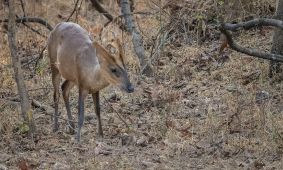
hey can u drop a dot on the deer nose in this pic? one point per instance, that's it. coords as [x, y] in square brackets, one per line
[130, 88]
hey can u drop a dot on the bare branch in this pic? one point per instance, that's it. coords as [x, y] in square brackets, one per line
[259, 22]
[23, 7]
[123, 15]
[103, 11]
[31, 19]
[75, 8]
[249, 51]
[32, 29]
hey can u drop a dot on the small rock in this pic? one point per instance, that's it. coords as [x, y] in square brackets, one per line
[142, 141]
[60, 166]
[218, 77]
[258, 164]
[190, 103]
[261, 96]
[126, 140]
[231, 88]
[3, 167]
[43, 165]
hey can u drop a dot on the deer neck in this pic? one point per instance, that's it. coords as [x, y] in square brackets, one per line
[99, 79]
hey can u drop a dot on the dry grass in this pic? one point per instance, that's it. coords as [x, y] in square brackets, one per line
[199, 111]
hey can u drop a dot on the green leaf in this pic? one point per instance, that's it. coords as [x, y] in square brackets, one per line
[23, 128]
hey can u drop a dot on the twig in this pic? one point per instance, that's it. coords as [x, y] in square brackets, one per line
[132, 13]
[72, 13]
[23, 8]
[117, 113]
[39, 57]
[11, 102]
[101, 10]
[32, 29]
[78, 11]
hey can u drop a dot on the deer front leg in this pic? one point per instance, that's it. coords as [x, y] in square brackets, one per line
[95, 97]
[82, 95]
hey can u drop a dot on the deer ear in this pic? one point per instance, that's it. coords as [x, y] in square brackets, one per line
[102, 53]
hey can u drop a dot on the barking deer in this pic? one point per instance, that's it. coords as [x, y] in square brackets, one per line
[86, 64]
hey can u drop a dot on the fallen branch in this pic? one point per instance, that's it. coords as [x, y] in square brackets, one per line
[11, 102]
[44, 107]
[259, 22]
[31, 19]
[249, 51]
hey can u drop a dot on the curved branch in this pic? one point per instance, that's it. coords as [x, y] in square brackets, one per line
[32, 29]
[31, 19]
[249, 51]
[72, 13]
[259, 22]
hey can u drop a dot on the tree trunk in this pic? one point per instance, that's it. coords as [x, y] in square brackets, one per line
[277, 43]
[25, 104]
[136, 37]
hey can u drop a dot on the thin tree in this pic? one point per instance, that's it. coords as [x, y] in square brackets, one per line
[25, 103]
[136, 37]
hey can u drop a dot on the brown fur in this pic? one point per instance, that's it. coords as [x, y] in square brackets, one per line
[84, 63]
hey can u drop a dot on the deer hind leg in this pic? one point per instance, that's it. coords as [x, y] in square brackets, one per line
[56, 83]
[95, 97]
[66, 87]
[82, 95]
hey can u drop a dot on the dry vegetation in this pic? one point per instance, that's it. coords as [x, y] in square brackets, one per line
[201, 110]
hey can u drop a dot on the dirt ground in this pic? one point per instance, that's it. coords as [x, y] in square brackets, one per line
[200, 110]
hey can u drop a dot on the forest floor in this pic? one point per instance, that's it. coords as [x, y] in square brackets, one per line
[200, 110]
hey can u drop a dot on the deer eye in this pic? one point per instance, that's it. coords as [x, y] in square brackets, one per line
[114, 70]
